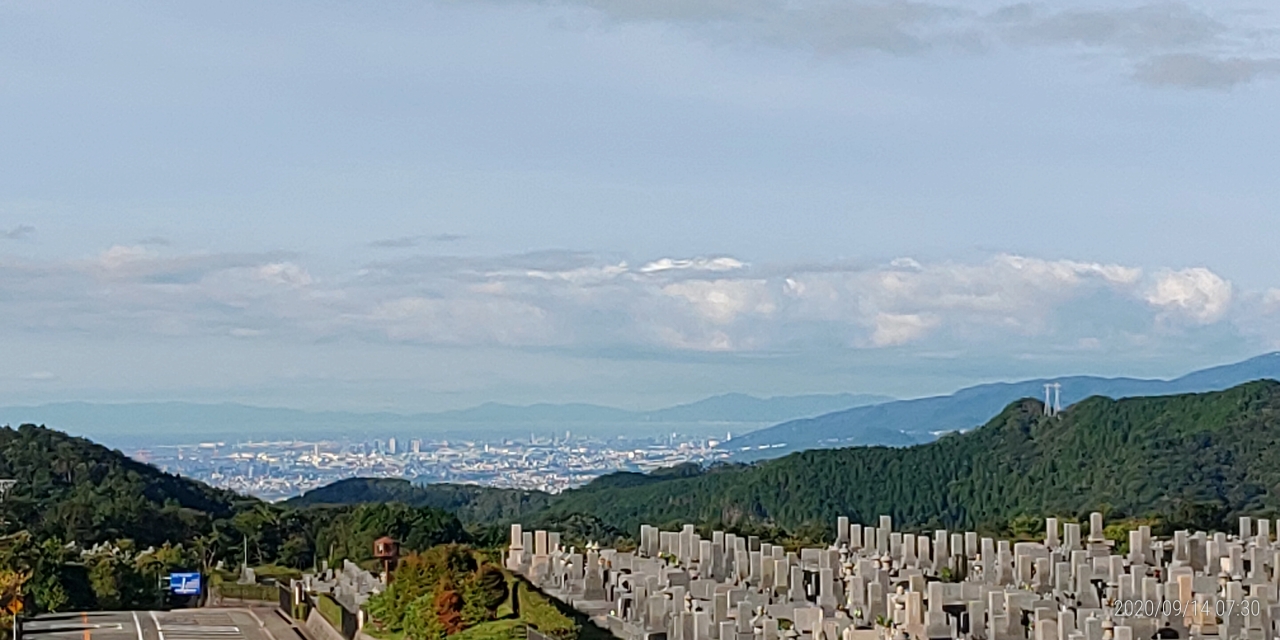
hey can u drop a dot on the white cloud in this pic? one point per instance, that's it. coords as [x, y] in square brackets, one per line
[40, 376]
[722, 301]
[580, 301]
[284, 273]
[909, 264]
[1069, 271]
[581, 275]
[694, 264]
[893, 329]
[119, 256]
[1198, 294]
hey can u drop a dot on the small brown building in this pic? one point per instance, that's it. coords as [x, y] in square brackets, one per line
[387, 550]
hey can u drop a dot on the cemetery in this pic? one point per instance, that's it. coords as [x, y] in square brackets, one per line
[875, 583]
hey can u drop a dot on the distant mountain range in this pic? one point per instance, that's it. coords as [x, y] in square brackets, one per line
[184, 422]
[762, 427]
[730, 407]
[1189, 460]
[907, 422]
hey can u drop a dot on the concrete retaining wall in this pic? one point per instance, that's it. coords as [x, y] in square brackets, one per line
[320, 628]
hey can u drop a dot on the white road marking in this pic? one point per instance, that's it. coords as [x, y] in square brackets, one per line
[183, 634]
[261, 624]
[174, 629]
[137, 624]
[77, 627]
[191, 628]
[159, 631]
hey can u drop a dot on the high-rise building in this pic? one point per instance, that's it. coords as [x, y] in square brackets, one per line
[415, 445]
[391, 446]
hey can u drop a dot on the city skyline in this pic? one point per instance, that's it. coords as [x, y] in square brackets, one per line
[284, 469]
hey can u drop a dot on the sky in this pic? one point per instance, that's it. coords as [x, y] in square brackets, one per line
[429, 205]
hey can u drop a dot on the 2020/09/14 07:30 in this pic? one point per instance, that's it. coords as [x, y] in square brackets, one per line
[1220, 607]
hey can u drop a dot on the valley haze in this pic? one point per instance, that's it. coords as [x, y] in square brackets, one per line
[761, 427]
[169, 423]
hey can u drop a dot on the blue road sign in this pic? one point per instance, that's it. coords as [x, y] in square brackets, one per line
[184, 584]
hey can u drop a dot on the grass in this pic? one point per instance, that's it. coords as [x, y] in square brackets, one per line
[510, 629]
[381, 634]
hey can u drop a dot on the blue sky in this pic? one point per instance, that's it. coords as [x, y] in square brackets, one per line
[433, 204]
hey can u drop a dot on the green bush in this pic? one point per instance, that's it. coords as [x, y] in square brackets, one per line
[495, 630]
[420, 621]
[538, 612]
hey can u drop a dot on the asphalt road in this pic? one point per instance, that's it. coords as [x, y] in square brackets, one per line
[180, 624]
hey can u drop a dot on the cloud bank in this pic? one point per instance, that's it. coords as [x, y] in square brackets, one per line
[1171, 44]
[590, 303]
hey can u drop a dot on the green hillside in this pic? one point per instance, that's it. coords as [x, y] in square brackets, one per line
[72, 496]
[72, 489]
[1195, 459]
[471, 503]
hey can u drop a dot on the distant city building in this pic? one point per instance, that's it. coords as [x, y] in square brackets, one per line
[277, 470]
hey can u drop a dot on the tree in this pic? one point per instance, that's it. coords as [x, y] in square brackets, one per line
[11, 591]
[447, 603]
[296, 552]
[482, 594]
[490, 587]
[105, 576]
[421, 621]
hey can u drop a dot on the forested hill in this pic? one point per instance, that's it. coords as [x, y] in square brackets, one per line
[471, 503]
[73, 489]
[1195, 459]
[85, 527]
[919, 420]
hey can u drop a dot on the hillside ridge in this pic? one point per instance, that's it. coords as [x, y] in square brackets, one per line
[1185, 457]
[919, 420]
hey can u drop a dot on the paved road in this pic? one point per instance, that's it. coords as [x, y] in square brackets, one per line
[180, 624]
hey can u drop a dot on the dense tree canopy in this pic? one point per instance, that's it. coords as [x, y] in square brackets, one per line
[471, 503]
[1196, 459]
[73, 496]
